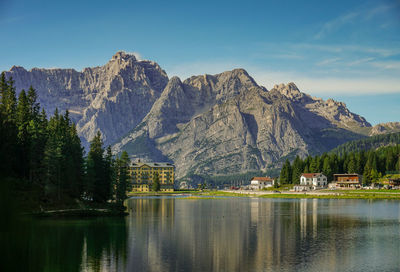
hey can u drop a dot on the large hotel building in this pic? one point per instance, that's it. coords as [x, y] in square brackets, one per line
[142, 176]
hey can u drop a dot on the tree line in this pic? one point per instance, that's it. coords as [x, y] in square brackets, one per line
[44, 157]
[372, 164]
[368, 143]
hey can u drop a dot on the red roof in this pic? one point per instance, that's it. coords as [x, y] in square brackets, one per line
[262, 178]
[310, 175]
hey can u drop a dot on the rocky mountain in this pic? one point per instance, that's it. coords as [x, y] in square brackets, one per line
[384, 128]
[207, 125]
[226, 123]
[112, 98]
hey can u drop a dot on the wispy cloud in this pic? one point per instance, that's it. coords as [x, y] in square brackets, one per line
[335, 24]
[360, 61]
[350, 48]
[312, 84]
[387, 65]
[328, 61]
[360, 14]
[137, 55]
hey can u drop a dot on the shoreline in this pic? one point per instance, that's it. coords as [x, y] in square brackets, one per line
[336, 194]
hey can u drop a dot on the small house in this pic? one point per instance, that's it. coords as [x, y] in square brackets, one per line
[311, 181]
[347, 180]
[258, 183]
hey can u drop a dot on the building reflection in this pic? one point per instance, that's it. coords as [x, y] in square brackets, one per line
[225, 234]
[235, 234]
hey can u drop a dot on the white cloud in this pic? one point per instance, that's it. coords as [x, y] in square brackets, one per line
[311, 84]
[320, 86]
[361, 14]
[387, 65]
[360, 61]
[328, 61]
[137, 55]
[335, 24]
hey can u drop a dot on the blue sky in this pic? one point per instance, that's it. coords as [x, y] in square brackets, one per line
[346, 50]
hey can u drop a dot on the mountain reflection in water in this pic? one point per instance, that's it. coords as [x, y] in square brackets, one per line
[225, 234]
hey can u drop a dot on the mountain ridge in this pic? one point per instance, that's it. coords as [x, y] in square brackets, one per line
[205, 124]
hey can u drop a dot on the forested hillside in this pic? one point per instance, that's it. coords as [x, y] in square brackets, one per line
[372, 142]
[42, 162]
[372, 164]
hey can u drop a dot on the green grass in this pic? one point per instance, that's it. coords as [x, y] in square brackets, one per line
[358, 195]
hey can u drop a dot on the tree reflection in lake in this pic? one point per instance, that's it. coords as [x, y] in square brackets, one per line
[240, 234]
[225, 234]
[68, 245]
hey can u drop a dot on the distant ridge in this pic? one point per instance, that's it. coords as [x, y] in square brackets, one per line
[207, 125]
[365, 144]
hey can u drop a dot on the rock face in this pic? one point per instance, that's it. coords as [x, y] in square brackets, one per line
[226, 123]
[383, 128]
[206, 125]
[112, 98]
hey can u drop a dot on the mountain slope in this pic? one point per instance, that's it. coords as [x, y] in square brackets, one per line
[112, 98]
[369, 143]
[249, 129]
[207, 125]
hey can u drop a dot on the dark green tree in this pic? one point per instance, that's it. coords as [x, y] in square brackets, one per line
[286, 173]
[156, 183]
[327, 169]
[122, 177]
[98, 183]
[297, 170]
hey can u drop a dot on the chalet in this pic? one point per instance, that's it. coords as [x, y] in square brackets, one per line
[258, 183]
[392, 182]
[347, 180]
[311, 181]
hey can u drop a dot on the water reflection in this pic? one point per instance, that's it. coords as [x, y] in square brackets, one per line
[66, 245]
[262, 234]
[230, 234]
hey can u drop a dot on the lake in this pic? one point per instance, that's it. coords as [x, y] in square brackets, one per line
[221, 234]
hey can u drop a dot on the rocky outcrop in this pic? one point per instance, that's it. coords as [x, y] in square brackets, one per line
[206, 125]
[383, 128]
[112, 98]
[226, 123]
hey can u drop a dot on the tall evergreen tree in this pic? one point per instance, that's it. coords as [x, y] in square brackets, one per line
[297, 170]
[123, 177]
[8, 128]
[98, 183]
[327, 169]
[23, 137]
[286, 173]
[156, 183]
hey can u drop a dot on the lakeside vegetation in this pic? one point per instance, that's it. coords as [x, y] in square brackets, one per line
[373, 164]
[322, 194]
[42, 162]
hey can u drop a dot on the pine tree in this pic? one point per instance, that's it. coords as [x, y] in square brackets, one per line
[123, 177]
[297, 170]
[352, 164]
[8, 129]
[23, 137]
[111, 171]
[327, 169]
[156, 183]
[286, 173]
[98, 183]
[314, 165]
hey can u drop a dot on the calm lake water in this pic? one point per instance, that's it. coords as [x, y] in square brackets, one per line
[224, 234]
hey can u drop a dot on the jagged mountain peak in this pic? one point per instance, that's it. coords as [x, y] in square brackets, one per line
[16, 68]
[122, 55]
[289, 90]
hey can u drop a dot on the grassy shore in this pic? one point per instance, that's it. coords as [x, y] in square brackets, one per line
[323, 194]
[353, 194]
